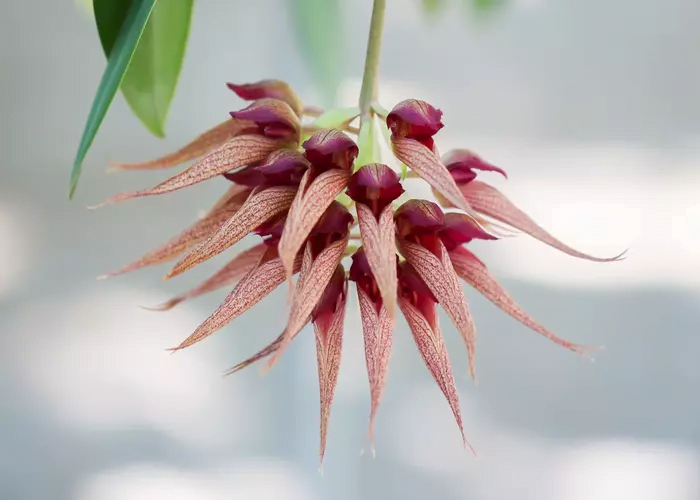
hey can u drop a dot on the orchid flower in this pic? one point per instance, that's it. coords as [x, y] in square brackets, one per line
[324, 206]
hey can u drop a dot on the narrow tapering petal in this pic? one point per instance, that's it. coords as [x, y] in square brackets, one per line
[200, 146]
[238, 152]
[461, 163]
[378, 240]
[377, 330]
[309, 290]
[311, 201]
[427, 165]
[431, 346]
[254, 286]
[262, 353]
[238, 267]
[329, 341]
[474, 271]
[196, 233]
[489, 201]
[259, 208]
[439, 275]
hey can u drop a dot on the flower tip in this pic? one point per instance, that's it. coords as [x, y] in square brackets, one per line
[165, 306]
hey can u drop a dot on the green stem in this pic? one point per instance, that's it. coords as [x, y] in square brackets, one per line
[370, 78]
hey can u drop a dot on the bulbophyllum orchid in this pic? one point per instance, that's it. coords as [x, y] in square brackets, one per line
[326, 208]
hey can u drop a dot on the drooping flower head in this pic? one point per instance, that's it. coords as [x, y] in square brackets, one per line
[298, 189]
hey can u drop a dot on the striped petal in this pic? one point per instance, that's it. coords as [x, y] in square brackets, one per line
[309, 289]
[378, 240]
[254, 286]
[432, 349]
[196, 233]
[377, 330]
[328, 331]
[238, 152]
[258, 209]
[474, 271]
[439, 275]
[311, 201]
[200, 146]
[238, 267]
[428, 165]
[491, 202]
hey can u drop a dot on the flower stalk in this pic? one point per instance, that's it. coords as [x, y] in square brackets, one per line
[370, 77]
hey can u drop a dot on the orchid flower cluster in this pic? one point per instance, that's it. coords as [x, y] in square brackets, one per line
[322, 214]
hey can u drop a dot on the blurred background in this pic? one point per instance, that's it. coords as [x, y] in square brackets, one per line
[593, 108]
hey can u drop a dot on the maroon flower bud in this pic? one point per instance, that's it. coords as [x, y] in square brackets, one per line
[333, 225]
[332, 295]
[274, 89]
[284, 167]
[329, 149]
[459, 229]
[419, 217]
[361, 274]
[274, 118]
[376, 186]
[461, 163]
[411, 285]
[414, 119]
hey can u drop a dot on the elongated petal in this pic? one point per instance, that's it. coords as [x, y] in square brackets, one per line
[428, 165]
[309, 290]
[474, 271]
[311, 201]
[461, 163]
[200, 146]
[262, 353]
[258, 209]
[379, 243]
[238, 152]
[440, 277]
[329, 341]
[254, 286]
[196, 233]
[377, 330]
[491, 202]
[432, 349]
[238, 267]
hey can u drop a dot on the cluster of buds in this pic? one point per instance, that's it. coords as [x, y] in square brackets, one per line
[300, 189]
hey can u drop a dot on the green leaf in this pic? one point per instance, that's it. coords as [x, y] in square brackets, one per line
[336, 118]
[125, 42]
[318, 29]
[151, 78]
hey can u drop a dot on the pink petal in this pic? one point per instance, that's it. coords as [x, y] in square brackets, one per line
[309, 289]
[492, 203]
[200, 146]
[199, 231]
[238, 267]
[379, 243]
[440, 277]
[432, 349]
[311, 201]
[474, 271]
[377, 329]
[258, 209]
[254, 286]
[238, 152]
[329, 341]
[428, 165]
